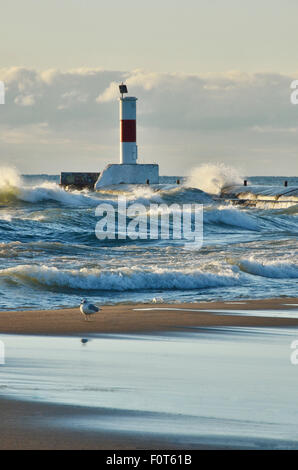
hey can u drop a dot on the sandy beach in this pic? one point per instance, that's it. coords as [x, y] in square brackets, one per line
[130, 318]
[24, 424]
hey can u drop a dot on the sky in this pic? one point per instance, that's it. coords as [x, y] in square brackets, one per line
[212, 79]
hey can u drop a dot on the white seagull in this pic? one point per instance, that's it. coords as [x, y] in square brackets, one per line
[87, 308]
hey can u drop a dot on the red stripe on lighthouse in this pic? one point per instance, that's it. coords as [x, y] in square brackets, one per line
[128, 130]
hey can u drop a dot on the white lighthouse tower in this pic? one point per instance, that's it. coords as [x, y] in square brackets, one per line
[128, 171]
[128, 131]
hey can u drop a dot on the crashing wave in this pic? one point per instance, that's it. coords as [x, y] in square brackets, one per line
[213, 178]
[231, 216]
[272, 269]
[121, 280]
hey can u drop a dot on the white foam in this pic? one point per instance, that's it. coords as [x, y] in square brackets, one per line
[6, 217]
[12, 186]
[169, 309]
[272, 269]
[212, 178]
[10, 182]
[49, 191]
[122, 279]
[9, 178]
[231, 216]
[143, 195]
[268, 313]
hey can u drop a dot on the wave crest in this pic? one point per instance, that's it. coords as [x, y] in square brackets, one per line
[121, 280]
[231, 216]
[271, 269]
[13, 187]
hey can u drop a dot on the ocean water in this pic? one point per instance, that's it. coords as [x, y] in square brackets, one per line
[51, 258]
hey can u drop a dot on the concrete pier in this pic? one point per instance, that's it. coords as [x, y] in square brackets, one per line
[115, 174]
[76, 180]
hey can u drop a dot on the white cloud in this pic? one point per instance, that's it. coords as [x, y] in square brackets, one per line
[202, 116]
[25, 100]
[110, 94]
[38, 133]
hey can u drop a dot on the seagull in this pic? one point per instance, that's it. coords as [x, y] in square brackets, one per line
[156, 300]
[87, 308]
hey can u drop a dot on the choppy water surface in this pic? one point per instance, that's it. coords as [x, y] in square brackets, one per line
[227, 386]
[50, 256]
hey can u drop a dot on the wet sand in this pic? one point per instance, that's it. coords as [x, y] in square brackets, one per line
[133, 318]
[25, 425]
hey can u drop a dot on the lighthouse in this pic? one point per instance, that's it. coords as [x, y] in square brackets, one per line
[129, 171]
[128, 130]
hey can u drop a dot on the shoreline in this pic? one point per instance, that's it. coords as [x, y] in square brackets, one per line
[146, 318]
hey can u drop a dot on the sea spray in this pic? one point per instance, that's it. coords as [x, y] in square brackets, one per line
[10, 182]
[9, 177]
[212, 178]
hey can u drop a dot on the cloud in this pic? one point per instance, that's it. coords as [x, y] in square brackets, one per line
[190, 113]
[25, 100]
[39, 133]
[174, 100]
[110, 94]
